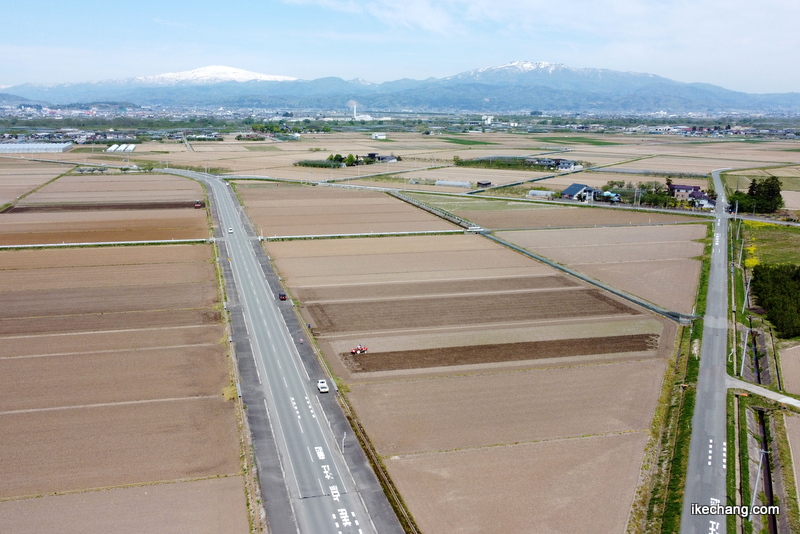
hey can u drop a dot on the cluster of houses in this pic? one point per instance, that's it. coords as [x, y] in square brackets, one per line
[691, 194]
[555, 163]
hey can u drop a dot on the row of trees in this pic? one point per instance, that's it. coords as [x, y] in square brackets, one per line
[777, 289]
[763, 196]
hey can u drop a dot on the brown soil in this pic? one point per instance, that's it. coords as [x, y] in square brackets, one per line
[506, 352]
[653, 262]
[79, 448]
[211, 506]
[106, 276]
[118, 376]
[106, 299]
[108, 321]
[790, 369]
[428, 288]
[87, 206]
[564, 486]
[101, 226]
[285, 211]
[565, 217]
[453, 412]
[392, 314]
[114, 340]
[78, 257]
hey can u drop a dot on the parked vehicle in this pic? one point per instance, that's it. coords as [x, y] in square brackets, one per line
[322, 386]
[281, 296]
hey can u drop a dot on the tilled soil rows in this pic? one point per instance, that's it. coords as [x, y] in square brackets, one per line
[506, 352]
[108, 321]
[77, 257]
[391, 314]
[565, 217]
[209, 506]
[111, 445]
[378, 291]
[106, 299]
[117, 376]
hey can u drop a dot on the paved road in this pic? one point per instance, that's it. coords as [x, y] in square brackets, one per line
[705, 478]
[314, 491]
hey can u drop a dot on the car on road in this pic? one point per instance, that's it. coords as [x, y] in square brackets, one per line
[281, 296]
[230, 230]
[322, 386]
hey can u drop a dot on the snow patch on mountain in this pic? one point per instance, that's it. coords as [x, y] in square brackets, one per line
[211, 74]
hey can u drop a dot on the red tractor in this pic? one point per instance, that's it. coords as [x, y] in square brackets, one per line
[358, 350]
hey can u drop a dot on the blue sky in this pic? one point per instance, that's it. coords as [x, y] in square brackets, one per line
[741, 45]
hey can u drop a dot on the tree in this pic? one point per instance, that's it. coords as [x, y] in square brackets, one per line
[766, 194]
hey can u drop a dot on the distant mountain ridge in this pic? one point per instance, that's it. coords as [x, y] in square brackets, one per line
[517, 86]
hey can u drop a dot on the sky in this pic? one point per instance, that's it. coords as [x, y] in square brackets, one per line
[737, 44]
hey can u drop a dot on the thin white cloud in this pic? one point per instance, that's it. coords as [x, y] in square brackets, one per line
[170, 23]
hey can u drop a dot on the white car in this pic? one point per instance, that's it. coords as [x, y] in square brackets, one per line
[230, 230]
[322, 386]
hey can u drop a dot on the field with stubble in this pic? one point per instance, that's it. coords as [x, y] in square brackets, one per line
[112, 364]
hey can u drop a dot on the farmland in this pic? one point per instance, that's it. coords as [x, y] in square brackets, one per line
[295, 210]
[105, 208]
[500, 393]
[657, 263]
[18, 177]
[465, 334]
[112, 364]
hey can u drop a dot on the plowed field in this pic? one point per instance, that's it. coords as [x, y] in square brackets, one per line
[393, 314]
[33, 303]
[112, 368]
[288, 211]
[484, 409]
[150, 508]
[108, 321]
[109, 445]
[113, 376]
[102, 226]
[575, 485]
[506, 352]
[399, 289]
[566, 217]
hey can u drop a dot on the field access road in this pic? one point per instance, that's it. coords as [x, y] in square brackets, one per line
[705, 476]
[322, 494]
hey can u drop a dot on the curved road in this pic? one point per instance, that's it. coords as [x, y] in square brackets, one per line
[322, 494]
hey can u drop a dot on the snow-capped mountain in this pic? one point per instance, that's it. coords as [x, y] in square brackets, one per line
[512, 87]
[514, 67]
[211, 74]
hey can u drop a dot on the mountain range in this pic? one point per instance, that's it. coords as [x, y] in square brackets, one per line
[518, 86]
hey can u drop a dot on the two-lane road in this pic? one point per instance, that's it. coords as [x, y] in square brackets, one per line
[706, 473]
[323, 495]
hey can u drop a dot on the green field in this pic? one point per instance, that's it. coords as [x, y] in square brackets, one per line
[742, 181]
[466, 141]
[260, 148]
[452, 204]
[773, 243]
[572, 140]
